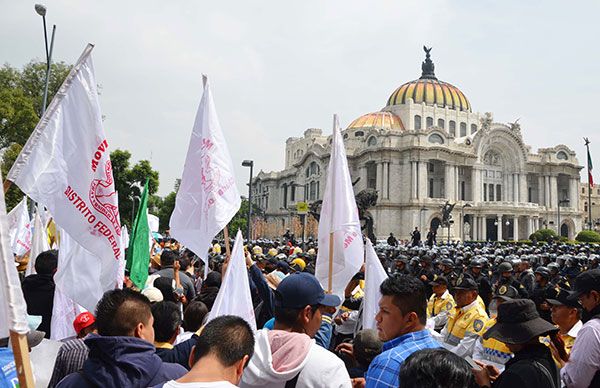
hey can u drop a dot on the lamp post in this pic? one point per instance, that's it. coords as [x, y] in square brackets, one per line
[563, 202]
[462, 221]
[41, 10]
[249, 163]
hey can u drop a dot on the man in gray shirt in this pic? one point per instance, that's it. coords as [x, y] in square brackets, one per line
[167, 258]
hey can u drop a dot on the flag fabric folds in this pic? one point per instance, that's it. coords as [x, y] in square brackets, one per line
[13, 310]
[138, 254]
[19, 226]
[374, 276]
[39, 242]
[589, 161]
[208, 197]
[65, 166]
[339, 218]
[234, 295]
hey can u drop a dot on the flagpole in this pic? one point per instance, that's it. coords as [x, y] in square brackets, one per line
[226, 237]
[587, 146]
[7, 185]
[22, 360]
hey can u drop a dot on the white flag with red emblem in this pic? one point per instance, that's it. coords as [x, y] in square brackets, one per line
[65, 166]
[19, 226]
[336, 264]
[208, 197]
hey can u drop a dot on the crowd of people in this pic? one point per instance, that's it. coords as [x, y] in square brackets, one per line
[450, 315]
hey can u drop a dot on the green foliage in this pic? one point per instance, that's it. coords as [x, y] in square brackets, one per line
[165, 210]
[129, 180]
[240, 220]
[588, 236]
[14, 194]
[547, 235]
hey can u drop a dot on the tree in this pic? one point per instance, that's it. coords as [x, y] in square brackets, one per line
[14, 195]
[166, 208]
[129, 180]
[240, 220]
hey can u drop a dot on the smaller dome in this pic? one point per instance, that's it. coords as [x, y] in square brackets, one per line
[378, 120]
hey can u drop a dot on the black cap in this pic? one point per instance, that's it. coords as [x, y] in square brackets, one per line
[299, 290]
[437, 280]
[465, 282]
[505, 293]
[585, 282]
[562, 299]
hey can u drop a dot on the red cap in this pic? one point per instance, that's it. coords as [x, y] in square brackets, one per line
[82, 321]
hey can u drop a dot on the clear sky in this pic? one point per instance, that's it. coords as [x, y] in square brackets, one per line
[279, 67]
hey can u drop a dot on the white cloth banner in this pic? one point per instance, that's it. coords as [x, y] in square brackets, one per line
[64, 312]
[39, 242]
[374, 276]
[208, 197]
[65, 166]
[13, 310]
[153, 222]
[234, 295]
[19, 226]
[339, 215]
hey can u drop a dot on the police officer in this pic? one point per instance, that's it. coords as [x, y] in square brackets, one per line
[448, 272]
[483, 283]
[542, 291]
[465, 324]
[506, 278]
[440, 304]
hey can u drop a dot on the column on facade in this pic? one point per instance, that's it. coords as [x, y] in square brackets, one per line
[475, 185]
[482, 228]
[456, 183]
[541, 198]
[574, 193]
[509, 188]
[515, 186]
[362, 172]
[523, 197]
[379, 184]
[423, 184]
[547, 202]
[553, 191]
[499, 226]
[516, 228]
[449, 184]
[474, 227]
[414, 182]
[528, 226]
[386, 180]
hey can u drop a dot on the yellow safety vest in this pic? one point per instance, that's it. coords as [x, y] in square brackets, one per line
[462, 322]
[494, 350]
[437, 305]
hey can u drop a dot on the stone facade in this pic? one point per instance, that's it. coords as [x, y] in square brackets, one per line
[424, 148]
[584, 203]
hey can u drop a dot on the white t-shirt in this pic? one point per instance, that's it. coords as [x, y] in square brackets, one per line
[206, 384]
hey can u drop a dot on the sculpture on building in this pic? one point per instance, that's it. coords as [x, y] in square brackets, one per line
[486, 122]
[515, 126]
[467, 231]
[446, 210]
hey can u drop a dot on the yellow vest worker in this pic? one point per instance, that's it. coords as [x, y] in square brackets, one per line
[438, 307]
[465, 323]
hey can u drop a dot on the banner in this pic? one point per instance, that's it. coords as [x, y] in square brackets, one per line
[339, 218]
[374, 276]
[39, 241]
[208, 197]
[65, 166]
[138, 253]
[19, 226]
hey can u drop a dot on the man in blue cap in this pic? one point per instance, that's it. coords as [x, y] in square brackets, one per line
[288, 356]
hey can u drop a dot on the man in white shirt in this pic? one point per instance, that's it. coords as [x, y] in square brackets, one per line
[583, 368]
[222, 351]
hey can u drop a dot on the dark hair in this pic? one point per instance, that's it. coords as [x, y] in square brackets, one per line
[228, 337]
[168, 257]
[436, 368]
[194, 315]
[289, 316]
[120, 311]
[167, 319]
[165, 285]
[184, 263]
[367, 346]
[46, 262]
[408, 293]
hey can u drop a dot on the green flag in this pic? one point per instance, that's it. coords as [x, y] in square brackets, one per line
[138, 253]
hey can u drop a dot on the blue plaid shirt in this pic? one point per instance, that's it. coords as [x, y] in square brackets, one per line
[385, 368]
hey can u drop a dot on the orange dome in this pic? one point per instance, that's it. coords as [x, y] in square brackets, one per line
[378, 120]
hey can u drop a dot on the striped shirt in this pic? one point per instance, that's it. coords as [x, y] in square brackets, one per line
[70, 359]
[385, 368]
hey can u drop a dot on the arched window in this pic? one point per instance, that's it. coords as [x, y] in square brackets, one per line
[359, 133]
[436, 139]
[441, 123]
[372, 141]
[417, 122]
[562, 155]
[452, 128]
[463, 129]
[429, 122]
[473, 128]
[371, 175]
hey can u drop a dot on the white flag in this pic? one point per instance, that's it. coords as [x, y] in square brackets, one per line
[76, 274]
[39, 242]
[234, 295]
[208, 197]
[374, 276]
[65, 166]
[19, 226]
[153, 222]
[339, 217]
[13, 310]
[124, 237]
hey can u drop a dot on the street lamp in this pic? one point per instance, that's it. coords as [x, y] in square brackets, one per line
[41, 10]
[462, 221]
[563, 202]
[249, 163]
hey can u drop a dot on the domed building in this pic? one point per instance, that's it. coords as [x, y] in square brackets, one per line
[426, 147]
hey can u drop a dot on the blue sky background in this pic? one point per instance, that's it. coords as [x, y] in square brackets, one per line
[279, 67]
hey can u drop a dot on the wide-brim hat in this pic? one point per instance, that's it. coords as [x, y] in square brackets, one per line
[518, 322]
